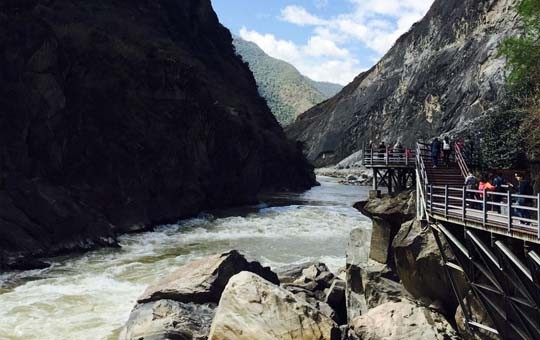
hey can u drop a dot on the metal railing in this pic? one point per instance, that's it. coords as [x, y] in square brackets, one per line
[376, 156]
[460, 160]
[508, 212]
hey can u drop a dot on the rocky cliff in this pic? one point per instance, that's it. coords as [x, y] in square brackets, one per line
[116, 116]
[442, 74]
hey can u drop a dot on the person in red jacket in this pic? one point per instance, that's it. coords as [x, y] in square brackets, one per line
[485, 185]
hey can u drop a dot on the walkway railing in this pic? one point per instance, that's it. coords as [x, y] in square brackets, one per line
[460, 160]
[382, 157]
[505, 212]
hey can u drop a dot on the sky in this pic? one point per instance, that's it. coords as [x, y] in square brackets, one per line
[327, 40]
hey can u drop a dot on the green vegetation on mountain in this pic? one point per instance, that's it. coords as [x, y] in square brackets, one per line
[522, 54]
[286, 90]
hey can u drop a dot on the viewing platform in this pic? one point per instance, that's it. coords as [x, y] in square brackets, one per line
[393, 169]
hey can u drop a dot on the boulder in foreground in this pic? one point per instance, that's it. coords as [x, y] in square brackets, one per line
[401, 320]
[254, 308]
[203, 281]
[166, 319]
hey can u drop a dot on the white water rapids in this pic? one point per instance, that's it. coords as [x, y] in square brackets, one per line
[90, 296]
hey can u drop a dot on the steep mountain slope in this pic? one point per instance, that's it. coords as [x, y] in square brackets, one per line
[287, 92]
[118, 115]
[439, 76]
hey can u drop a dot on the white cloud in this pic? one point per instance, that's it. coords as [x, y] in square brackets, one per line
[320, 3]
[326, 55]
[300, 16]
[320, 59]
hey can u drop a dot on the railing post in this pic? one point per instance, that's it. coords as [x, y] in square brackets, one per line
[386, 156]
[371, 155]
[484, 208]
[509, 204]
[464, 204]
[538, 213]
[431, 198]
[446, 201]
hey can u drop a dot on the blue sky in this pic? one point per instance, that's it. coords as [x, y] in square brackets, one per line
[327, 40]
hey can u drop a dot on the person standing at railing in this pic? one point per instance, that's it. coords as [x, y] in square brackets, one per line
[471, 183]
[484, 186]
[398, 150]
[498, 182]
[523, 188]
[435, 151]
[447, 150]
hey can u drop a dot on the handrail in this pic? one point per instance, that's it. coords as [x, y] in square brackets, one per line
[510, 213]
[374, 156]
[507, 213]
[461, 160]
[421, 165]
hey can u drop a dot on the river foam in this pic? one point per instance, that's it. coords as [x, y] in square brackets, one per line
[90, 296]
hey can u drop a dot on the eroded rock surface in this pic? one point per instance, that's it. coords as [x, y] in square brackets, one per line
[399, 321]
[253, 308]
[439, 76]
[204, 280]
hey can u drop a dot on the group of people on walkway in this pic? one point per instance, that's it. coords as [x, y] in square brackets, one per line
[439, 148]
[397, 150]
[496, 188]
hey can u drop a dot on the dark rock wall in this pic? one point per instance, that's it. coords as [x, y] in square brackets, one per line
[118, 115]
[440, 76]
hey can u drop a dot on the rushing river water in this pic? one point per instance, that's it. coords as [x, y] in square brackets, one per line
[90, 296]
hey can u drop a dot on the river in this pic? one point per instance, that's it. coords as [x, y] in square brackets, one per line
[90, 296]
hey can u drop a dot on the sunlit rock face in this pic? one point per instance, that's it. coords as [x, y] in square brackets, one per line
[119, 115]
[440, 76]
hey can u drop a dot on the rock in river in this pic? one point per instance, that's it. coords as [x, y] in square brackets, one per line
[203, 281]
[253, 308]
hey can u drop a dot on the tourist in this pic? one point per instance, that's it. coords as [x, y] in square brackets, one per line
[471, 185]
[523, 188]
[447, 150]
[381, 150]
[498, 182]
[460, 145]
[484, 186]
[435, 151]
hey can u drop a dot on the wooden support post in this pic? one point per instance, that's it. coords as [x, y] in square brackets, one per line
[446, 201]
[510, 212]
[375, 181]
[464, 205]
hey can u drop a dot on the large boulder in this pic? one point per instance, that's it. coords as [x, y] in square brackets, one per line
[181, 305]
[203, 281]
[358, 246]
[388, 214]
[401, 320]
[167, 319]
[420, 266]
[380, 285]
[254, 308]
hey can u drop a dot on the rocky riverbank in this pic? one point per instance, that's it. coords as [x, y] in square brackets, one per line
[398, 291]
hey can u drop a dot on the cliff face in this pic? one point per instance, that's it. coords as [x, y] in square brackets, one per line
[120, 115]
[439, 76]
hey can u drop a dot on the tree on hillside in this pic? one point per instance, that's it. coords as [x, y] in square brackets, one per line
[523, 55]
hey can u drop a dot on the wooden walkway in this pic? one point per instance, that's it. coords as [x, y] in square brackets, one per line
[447, 200]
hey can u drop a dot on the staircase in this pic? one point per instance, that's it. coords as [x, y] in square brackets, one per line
[451, 175]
